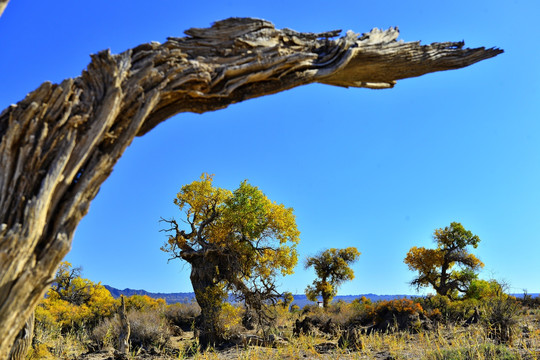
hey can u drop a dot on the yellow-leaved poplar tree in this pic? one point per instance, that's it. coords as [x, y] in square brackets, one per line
[73, 301]
[332, 268]
[449, 268]
[236, 242]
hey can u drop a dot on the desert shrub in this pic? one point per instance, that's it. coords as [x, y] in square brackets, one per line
[287, 299]
[395, 307]
[528, 301]
[51, 342]
[358, 312]
[320, 321]
[351, 339]
[441, 309]
[499, 317]
[311, 309]
[230, 319]
[148, 328]
[281, 314]
[462, 310]
[72, 317]
[388, 315]
[65, 317]
[40, 351]
[483, 351]
[342, 312]
[432, 302]
[74, 303]
[310, 325]
[182, 315]
[105, 334]
[483, 289]
[143, 303]
[383, 315]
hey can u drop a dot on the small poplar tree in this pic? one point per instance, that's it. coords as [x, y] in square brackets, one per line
[332, 268]
[450, 267]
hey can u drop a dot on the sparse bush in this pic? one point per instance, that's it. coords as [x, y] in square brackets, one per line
[351, 339]
[528, 301]
[287, 299]
[230, 319]
[484, 351]
[74, 303]
[182, 315]
[105, 334]
[50, 342]
[398, 314]
[342, 312]
[144, 302]
[148, 328]
[484, 289]
[281, 314]
[500, 319]
[441, 309]
[40, 351]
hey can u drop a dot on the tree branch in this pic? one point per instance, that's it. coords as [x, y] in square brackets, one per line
[3, 4]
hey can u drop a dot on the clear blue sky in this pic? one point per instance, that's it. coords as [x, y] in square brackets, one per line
[379, 170]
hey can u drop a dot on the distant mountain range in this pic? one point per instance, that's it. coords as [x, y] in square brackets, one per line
[170, 298]
[299, 299]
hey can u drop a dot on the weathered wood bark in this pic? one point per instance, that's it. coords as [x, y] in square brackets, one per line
[125, 330]
[3, 4]
[60, 143]
[23, 341]
[209, 297]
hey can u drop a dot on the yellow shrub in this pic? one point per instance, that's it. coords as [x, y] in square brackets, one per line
[231, 318]
[395, 307]
[144, 302]
[74, 301]
[40, 351]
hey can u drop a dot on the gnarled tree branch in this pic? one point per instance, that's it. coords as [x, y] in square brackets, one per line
[3, 4]
[60, 143]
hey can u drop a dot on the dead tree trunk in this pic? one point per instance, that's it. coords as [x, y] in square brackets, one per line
[60, 143]
[3, 4]
[125, 330]
[23, 341]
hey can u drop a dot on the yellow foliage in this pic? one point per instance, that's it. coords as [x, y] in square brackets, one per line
[144, 302]
[400, 306]
[424, 260]
[245, 227]
[449, 267]
[230, 317]
[55, 310]
[40, 351]
[332, 268]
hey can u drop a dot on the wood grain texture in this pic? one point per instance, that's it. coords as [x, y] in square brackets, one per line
[60, 143]
[3, 4]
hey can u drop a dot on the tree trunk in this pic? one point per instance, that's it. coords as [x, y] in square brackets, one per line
[326, 300]
[210, 297]
[60, 143]
[125, 330]
[3, 4]
[23, 341]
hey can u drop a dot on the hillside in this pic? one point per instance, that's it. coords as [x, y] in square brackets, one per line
[299, 299]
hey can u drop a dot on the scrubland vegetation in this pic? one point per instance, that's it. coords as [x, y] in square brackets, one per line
[237, 243]
[78, 320]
